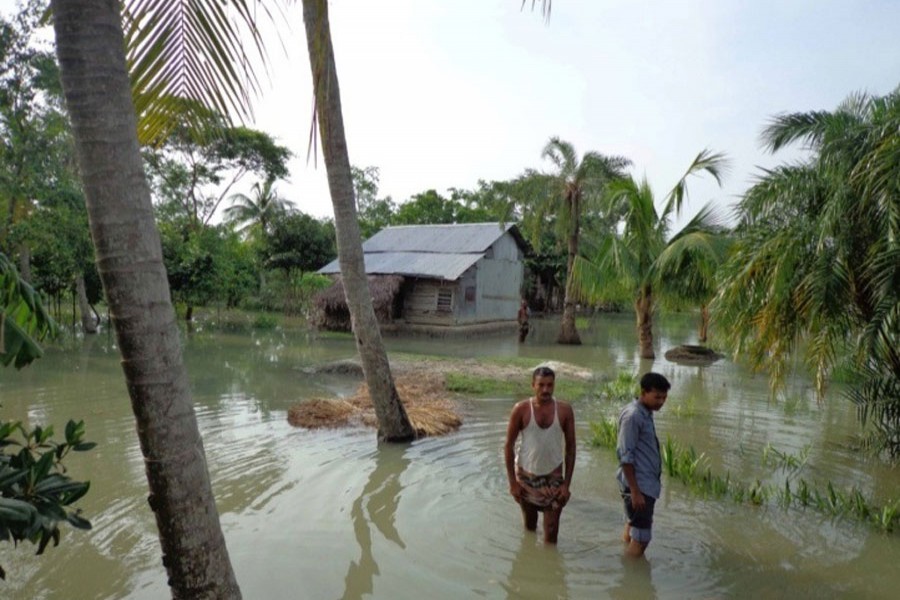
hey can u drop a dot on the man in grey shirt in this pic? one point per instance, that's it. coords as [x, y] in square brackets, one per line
[640, 464]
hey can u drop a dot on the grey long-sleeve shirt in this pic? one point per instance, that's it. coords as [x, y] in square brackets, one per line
[638, 445]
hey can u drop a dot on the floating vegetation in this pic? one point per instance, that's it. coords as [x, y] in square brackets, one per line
[692, 469]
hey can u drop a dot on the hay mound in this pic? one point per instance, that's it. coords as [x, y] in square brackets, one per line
[424, 396]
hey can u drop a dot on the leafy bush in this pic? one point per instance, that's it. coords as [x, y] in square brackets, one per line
[34, 489]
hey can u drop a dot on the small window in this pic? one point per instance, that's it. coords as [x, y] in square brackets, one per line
[445, 300]
[470, 293]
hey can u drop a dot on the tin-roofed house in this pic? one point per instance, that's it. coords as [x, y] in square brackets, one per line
[452, 275]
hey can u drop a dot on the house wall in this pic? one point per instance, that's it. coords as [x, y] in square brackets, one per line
[420, 301]
[488, 291]
[499, 281]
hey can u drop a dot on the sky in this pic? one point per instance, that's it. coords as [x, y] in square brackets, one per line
[442, 93]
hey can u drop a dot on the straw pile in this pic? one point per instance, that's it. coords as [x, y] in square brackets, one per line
[424, 396]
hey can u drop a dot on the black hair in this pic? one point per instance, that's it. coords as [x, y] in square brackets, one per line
[543, 371]
[654, 381]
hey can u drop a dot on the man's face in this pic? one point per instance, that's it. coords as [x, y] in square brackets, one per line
[653, 399]
[543, 387]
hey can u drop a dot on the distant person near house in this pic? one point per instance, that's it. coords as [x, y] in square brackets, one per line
[540, 469]
[522, 318]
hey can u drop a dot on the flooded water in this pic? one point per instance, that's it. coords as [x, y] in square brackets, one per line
[331, 514]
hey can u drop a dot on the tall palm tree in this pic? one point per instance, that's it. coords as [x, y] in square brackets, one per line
[817, 258]
[632, 263]
[91, 52]
[393, 422]
[257, 210]
[574, 185]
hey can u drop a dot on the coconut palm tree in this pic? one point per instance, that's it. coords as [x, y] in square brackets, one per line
[574, 185]
[393, 423]
[257, 210]
[817, 257]
[91, 52]
[632, 263]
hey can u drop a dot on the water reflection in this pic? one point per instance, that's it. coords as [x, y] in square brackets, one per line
[537, 571]
[376, 505]
[636, 582]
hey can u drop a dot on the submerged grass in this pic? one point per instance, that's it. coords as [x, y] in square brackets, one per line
[692, 469]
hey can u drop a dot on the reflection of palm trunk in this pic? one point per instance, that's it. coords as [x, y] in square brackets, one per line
[376, 505]
[643, 307]
[704, 323]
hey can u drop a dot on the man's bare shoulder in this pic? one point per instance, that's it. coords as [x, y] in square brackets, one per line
[565, 409]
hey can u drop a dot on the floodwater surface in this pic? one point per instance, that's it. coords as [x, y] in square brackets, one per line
[333, 514]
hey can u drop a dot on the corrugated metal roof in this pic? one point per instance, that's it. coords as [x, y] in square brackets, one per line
[439, 251]
[452, 239]
[413, 264]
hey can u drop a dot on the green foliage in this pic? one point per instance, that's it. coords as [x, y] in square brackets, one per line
[374, 213]
[34, 489]
[192, 171]
[299, 242]
[622, 389]
[184, 58]
[430, 207]
[642, 258]
[816, 261]
[265, 321]
[23, 318]
[604, 433]
[254, 214]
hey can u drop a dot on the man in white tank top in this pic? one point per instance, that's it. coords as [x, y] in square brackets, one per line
[540, 469]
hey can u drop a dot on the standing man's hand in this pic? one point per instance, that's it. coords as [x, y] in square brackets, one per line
[638, 502]
[563, 494]
[516, 491]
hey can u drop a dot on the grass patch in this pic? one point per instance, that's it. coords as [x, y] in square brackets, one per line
[692, 469]
[484, 386]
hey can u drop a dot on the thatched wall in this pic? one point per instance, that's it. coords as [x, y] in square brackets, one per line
[330, 306]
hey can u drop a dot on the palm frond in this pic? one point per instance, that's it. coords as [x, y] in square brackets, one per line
[545, 7]
[194, 51]
[713, 163]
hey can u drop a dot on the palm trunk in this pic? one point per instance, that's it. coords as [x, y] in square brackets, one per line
[568, 334]
[90, 47]
[393, 423]
[704, 323]
[643, 308]
[88, 324]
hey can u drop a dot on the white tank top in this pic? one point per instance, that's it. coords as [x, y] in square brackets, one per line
[541, 450]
